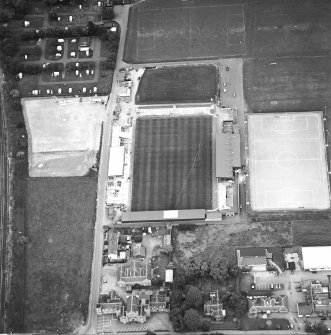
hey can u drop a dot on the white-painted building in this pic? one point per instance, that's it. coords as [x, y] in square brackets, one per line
[316, 258]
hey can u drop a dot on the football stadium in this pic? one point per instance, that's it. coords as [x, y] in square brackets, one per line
[184, 163]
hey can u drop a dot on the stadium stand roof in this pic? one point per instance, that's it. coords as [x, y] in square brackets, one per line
[227, 154]
[173, 215]
[116, 161]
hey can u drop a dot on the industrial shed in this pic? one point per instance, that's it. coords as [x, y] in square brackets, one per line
[116, 161]
[227, 154]
[316, 258]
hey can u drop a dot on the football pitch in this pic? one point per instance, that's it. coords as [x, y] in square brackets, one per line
[287, 161]
[172, 163]
[184, 30]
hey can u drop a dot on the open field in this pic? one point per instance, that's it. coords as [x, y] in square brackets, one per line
[280, 27]
[178, 30]
[311, 233]
[64, 135]
[291, 84]
[60, 215]
[287, 161]
[178, 85]
[172, 163]
[225, 238]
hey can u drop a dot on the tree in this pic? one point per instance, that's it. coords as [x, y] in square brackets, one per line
[10, 49]
[14, 93]
[52, 16]
[193, 297]
[219, 268]
[91, 29]
[236, 302]
[234, 271]
[205, 326]
[321, 328]
[192, 319]
[308, 326]
[3, 16]
[107, 13]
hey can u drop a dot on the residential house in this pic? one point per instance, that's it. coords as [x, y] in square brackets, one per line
[134, 311]
[273, 304]
[110, 304]
[213, 307]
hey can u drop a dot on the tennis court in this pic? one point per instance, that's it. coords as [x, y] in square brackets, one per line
[287, 161]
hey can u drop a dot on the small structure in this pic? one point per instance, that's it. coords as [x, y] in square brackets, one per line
[213, 307]
[73, 54]
[26, 24]
[253, 258]
[59, 91]
[169, 275]
[85, 41]
[60, 40]
[59, 48]
[70, 18]
[138, 251]
[69, 90]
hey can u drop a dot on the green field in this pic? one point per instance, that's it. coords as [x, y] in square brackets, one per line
[280, 27]
[60, 215]
[177, 30]
[172, 163]
[311, 233]
[178, 85]
[287, 84]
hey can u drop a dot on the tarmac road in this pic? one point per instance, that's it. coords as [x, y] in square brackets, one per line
[121, 14]
[4, 208]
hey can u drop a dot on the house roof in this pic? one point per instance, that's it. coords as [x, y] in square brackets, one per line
[252, 252]
[250, 261]
[274, 303]
[132, 304]
[138, 250]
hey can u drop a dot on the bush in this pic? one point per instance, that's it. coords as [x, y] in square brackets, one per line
[193, 297]
[185, 226]
[192, 319]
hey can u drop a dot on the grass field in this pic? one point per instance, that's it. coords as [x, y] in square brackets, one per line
[311, 233]
[281, 27]
[172, 163]
[178, 85]
[291, 84]
[178, 30]
[226, 238]
[60, 215]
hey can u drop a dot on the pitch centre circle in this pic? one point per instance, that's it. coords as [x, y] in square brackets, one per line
[287, 159]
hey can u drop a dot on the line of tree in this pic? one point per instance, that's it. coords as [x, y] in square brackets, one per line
[218, 268]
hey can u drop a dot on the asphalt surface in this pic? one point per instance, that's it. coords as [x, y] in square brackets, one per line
[121, 14]
[4, 207]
